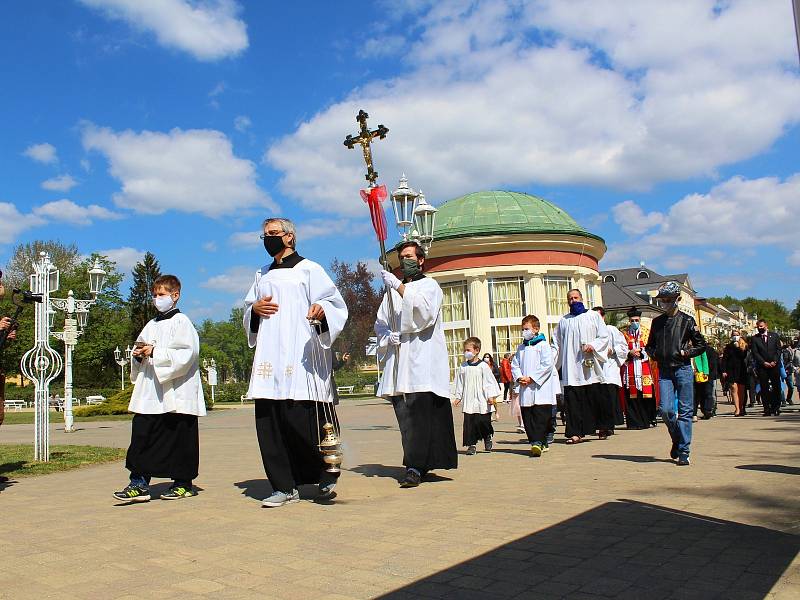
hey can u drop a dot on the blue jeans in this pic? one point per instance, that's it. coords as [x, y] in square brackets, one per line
[677, 404]
[142, 481]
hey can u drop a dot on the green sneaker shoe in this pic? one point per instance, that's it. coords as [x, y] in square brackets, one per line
[133, 493]
[176, 493]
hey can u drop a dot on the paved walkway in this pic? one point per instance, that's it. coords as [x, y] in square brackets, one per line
[602, 519]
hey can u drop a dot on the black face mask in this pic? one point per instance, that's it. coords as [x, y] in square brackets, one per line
[273, 244]
[762, 330]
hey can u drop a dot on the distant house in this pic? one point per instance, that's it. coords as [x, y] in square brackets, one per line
[642, 283]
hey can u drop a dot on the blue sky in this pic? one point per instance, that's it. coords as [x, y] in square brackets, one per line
[176, 126]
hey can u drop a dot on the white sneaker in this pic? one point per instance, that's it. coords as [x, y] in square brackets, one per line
[280, 498]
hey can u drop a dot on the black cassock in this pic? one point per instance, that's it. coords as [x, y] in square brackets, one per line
[426, 428]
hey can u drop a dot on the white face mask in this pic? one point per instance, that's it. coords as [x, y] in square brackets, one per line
[469, 355]
[527, 334]
[735, 339]
[486, 360]
[163, 303]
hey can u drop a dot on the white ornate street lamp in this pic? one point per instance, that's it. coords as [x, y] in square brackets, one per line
[123, 361]
[404, 200]
[41, 364]
[424, 222]
[73, 329]
[211, 369]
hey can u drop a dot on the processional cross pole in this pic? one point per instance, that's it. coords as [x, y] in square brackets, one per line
[364, 139]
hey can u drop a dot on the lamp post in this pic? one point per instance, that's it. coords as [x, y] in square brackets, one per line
[424, 222]
[41, 364]
[75, 319]
[211, 370]
[123, 361]
[404, 201]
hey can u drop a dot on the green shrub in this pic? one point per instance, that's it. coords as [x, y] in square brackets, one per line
[228, 392]
[116, 404]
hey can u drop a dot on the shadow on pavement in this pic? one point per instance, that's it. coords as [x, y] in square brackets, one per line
[771, 469]
[393, 472]
[6, 482]
[623, 549]
[633, 458]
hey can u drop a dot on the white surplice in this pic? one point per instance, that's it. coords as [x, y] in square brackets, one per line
[423, 364]
[475, 384]
[169, 381]
[572, 332]
[617, 354]
[283, 365]
[536, 362]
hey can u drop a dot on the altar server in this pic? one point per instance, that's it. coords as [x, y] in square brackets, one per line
[290, 388]
[166, 401]
[477, 391]
[581, 341]
[610, 413]
[416, 373]
[533, 370]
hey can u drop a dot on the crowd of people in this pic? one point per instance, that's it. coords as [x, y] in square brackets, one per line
[597, 376]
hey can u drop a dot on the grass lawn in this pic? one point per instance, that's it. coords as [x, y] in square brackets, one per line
[26, 418]
[16, 460]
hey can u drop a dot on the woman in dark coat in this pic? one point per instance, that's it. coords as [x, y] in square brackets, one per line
[734, 372]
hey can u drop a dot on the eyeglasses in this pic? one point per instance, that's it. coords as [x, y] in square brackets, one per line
[274, 234]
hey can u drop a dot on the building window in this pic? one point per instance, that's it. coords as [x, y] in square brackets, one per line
[506, 298]
[591, 302]
[455, 302]
[643, 275]
[454, 338]
[505, 340]
[609, 279]
[556, 289]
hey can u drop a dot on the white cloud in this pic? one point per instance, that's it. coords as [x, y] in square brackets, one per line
[615, 100]
[236, 280]
[210, 246]
[379, 47]
[125, 257]
[62, 183]
[738, 214]
[244, 239]
[43, 153]
[191, 171]
[242, 123]
[69, 212]
[13, 222]
[373, 266]
[632, 219]
[86, 165]
[208, 30]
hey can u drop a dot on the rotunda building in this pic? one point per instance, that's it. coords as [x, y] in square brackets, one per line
[499, 256]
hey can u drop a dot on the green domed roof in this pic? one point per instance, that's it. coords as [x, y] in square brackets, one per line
[500, 212]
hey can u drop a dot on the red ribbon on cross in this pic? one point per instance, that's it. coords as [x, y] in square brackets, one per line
[373, 198]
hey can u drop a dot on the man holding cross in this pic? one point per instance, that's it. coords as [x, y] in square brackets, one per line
[416, 373]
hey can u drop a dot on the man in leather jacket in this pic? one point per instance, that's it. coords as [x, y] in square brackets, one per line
[674, 340]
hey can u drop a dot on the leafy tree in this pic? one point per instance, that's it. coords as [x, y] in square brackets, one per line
[140, 298]
[226, 343]
[774, 311]
[20, 266]
[362, 300]
[795, 316]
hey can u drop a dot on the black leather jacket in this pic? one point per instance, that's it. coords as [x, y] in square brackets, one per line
[669, 335]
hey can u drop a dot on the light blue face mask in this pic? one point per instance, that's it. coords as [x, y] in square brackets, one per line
[635, 326]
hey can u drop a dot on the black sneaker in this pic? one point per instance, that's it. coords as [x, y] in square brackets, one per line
[472, 450]
[412, 479]
[488, 444]
[684, 461]
[673, 453]
[133, 493]
[178, 492]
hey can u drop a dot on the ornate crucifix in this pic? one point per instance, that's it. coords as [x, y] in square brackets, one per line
[364, 138]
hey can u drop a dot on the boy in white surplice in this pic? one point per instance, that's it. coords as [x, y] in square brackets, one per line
[167, 399]
[477, 391]
[289, 389]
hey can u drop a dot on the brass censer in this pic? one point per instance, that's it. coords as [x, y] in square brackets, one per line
[331, 449]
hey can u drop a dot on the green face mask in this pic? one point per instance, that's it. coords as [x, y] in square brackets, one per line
[410, 267]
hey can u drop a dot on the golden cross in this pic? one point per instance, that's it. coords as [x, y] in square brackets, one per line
[364, 138]
[264, 370]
